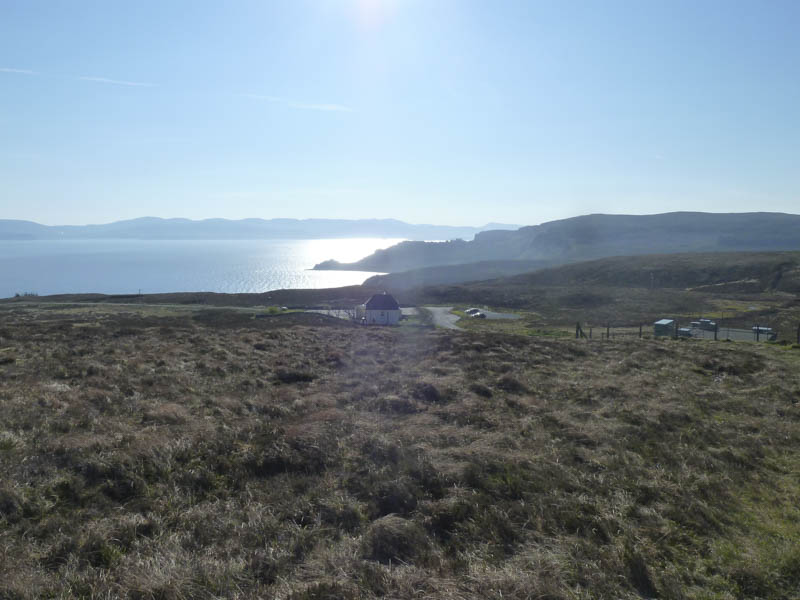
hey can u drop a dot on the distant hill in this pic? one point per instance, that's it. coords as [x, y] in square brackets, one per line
[178, 229]
[596, 236]
[489, 269]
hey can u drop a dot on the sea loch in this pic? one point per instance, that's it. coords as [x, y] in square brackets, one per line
[153, 266]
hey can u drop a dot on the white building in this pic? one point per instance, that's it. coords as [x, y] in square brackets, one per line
[381, 309]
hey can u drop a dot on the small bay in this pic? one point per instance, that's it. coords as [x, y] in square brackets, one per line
[154, 266]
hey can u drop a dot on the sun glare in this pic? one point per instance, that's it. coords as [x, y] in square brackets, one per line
[372, 14]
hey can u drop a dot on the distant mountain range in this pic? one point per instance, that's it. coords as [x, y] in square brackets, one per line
[593, 236]
[153, 228]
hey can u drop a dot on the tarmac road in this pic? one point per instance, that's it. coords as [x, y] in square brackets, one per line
[495, 315]
[442, 316]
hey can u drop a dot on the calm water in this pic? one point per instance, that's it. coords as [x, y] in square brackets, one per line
[127, 266]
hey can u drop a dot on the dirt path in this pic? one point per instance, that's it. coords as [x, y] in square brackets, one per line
[442, 316]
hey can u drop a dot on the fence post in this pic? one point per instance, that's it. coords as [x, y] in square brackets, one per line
[675, 333]
[716, 329]
[640, 331]
[577, 330]
[798, 332]
[758, 332]
[608, 331]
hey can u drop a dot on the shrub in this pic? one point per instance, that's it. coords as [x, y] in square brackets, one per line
[640, 574]
[507, 383]
[326, 591]
[394, 539]
[393, 404]
[10, 504]
[293, 376]
[480, 390]
[345, 516]
[395, 497]
[427, 392]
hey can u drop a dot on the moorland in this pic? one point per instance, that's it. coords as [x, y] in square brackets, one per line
[170, 447]
[219, 446]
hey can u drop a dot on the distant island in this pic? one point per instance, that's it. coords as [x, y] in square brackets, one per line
[153, 228]
[583, 238]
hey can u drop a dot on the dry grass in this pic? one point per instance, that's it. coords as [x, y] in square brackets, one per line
[217, 455]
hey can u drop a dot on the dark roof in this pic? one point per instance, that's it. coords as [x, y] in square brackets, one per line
[382, 302]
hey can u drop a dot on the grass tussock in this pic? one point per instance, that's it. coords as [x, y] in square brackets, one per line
[229, 457]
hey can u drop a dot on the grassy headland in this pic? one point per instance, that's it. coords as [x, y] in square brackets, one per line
[744, 288]
[594, 236]
[161, 452]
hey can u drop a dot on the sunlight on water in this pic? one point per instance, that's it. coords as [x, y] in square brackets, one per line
[153, 266]
[346, 250]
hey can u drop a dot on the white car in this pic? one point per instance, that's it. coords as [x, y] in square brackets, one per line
[472, 311]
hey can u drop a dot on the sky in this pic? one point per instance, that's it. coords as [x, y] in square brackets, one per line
[456, 112]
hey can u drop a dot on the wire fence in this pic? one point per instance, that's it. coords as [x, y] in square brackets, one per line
[671, 328]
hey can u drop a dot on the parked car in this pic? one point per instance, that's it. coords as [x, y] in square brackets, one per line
[478, 315]
[765, 331]
[472, 311]
[707, 324]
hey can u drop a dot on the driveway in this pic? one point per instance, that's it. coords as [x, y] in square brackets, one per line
[495, 315]
[348, 315]
[442, 316]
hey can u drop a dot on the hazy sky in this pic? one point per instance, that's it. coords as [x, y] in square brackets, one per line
[434, 111]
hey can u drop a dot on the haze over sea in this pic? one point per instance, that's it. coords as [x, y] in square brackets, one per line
[152, 266]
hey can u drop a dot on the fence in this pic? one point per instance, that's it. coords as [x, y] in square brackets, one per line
[757, 333]
[607, 332]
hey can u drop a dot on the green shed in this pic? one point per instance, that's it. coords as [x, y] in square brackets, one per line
[664, 327]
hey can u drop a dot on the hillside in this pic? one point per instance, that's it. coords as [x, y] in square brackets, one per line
[597, 236]
[728, 271]
[745, 288]
[740, 271]
[345, 297]
[174, 455]
[152, 228]
[489, 269]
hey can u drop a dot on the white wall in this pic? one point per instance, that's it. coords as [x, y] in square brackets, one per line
[382, 317]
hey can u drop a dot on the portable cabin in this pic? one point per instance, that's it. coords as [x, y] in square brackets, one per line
[664, 327]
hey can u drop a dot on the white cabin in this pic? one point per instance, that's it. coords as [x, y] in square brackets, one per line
[381, 309]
